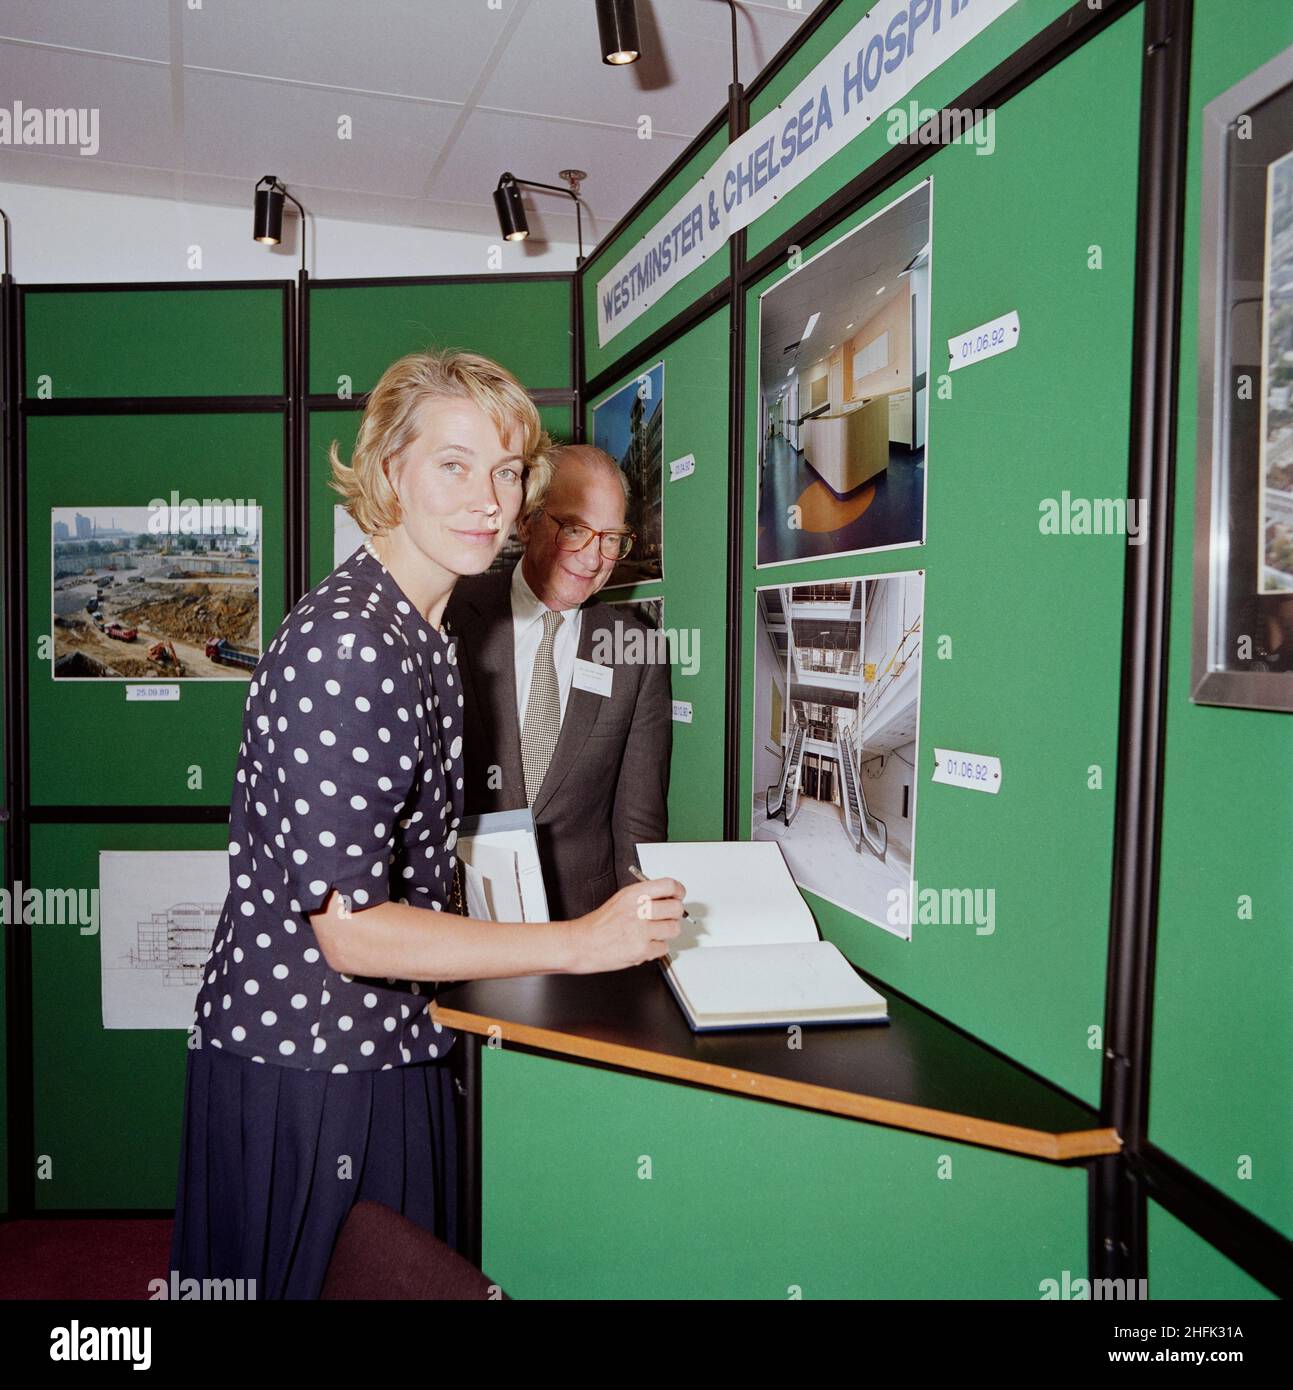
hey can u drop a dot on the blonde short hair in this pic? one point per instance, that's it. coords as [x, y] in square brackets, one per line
[391, 423]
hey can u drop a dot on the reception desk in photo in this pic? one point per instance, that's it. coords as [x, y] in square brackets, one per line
[850, 447]
[613, 1153]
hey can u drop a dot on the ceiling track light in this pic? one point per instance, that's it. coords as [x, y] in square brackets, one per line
[511, 210]
[617, 28]
[267, 227]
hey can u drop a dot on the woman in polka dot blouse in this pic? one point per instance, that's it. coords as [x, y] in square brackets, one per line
[315, 1074]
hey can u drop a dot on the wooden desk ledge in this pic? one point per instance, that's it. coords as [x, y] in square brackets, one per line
[915, 1073]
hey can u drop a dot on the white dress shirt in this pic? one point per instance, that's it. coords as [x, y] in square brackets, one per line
[527, 633]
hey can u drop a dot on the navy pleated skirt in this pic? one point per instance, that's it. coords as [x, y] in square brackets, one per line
[273, 1158]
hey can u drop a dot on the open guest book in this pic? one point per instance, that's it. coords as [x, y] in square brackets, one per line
[752, 956]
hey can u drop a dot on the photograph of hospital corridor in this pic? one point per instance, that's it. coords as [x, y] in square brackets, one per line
[843, 389]
[836, 705]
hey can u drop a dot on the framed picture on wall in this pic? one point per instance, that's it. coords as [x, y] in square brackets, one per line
[843, 392]
[837, 677]
[158, 914]
[166, 591]
[629, 426]
[1243, 538]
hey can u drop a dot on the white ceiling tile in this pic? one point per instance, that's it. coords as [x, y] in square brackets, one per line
[426, 48]
[138, 28]
[240, 126]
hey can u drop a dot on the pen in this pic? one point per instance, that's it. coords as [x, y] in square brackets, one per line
[642, 878]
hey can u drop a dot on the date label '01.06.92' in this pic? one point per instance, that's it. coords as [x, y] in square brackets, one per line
[974, 770]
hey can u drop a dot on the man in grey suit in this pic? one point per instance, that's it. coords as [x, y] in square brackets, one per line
[554, 718]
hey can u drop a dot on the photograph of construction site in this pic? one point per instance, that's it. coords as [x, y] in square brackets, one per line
[158, 913]
[142, 593]
[836, 723]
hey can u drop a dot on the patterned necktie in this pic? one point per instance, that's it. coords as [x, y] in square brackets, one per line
[542, 711]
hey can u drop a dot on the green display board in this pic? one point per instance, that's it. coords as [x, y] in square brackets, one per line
[1021, 630]
[356, 332]
[108, 1102]
[89, 745]
[1223, 1029]
[694, 587]
[678, 1192]
[199, 341]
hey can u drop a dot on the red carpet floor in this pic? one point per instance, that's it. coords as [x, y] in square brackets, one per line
[82, 1259]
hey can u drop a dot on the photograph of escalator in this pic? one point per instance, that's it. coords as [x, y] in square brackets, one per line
[836, 714]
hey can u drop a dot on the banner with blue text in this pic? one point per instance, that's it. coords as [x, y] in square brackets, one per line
[897, 45]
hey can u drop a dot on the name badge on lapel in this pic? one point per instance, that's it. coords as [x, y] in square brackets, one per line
[593, 678]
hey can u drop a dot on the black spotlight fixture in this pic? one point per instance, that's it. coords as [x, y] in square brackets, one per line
[511, 211]
[268, 228]
[267, 225]
[617, 27]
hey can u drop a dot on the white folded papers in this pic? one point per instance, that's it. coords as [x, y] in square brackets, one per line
[502, 877]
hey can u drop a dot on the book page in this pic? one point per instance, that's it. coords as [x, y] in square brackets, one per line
[739, 892]
[799, 982]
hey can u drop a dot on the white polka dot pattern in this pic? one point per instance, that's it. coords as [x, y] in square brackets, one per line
[349, 780]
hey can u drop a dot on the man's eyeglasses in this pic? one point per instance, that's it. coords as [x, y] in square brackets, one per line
[614, 545]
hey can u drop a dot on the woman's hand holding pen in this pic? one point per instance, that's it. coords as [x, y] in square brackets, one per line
[634, 925]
